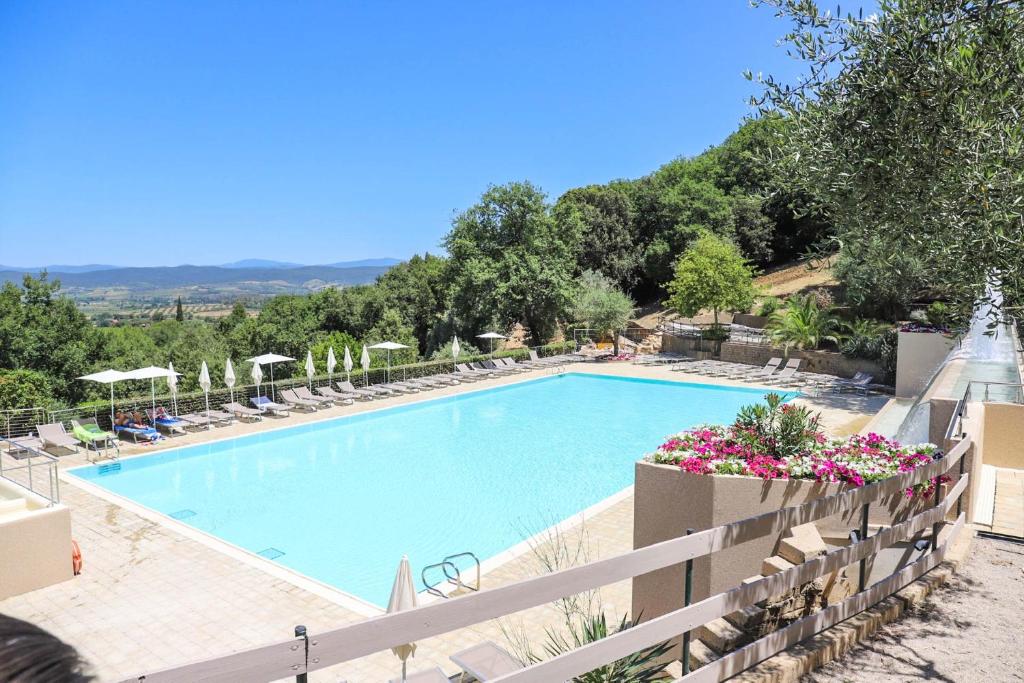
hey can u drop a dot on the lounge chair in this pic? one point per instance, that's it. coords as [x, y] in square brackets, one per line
[859, 382]
[54, 435]
[465, 369]
[511, 364]
[370, 392]
[293, 401]
[486, 661]
[495, 366]
[243, 412]
[343, 396]
[401, 387]
[165, 423]
[305, 394]
[137, 433]
[24, 444]
[434, 675]
[769, 368]
[90, 434]
[265, 405]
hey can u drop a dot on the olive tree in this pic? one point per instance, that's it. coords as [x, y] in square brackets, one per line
[602, 306]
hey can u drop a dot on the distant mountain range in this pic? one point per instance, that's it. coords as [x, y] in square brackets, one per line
[246, 275]
[245, 263]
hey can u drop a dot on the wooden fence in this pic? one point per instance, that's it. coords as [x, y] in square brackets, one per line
[300, 655]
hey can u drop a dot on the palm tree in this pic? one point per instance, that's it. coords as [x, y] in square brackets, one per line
[803, 324]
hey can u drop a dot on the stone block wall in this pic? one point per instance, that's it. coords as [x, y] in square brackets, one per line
[826, 362]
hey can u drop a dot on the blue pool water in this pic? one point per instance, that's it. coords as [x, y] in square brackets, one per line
[342, 500]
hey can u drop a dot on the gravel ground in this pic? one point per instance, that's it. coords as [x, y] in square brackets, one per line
[971, 629]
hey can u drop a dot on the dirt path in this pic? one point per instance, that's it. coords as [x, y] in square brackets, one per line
[969, 630]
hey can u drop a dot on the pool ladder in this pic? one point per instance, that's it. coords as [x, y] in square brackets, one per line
[451, 573]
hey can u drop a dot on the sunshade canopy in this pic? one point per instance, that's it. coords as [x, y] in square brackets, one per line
[152, 372]
[204, 377]
[389, 345]
[268, 358]
[106, 376]
[490, 335]
[229, 374]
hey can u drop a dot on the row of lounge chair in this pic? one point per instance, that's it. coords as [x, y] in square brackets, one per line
[786, 375]
[159, 423]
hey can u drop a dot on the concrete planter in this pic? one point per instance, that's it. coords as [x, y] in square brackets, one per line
[668, 501]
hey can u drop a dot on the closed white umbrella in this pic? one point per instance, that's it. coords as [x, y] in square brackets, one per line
[107, 377]
[403, 597]
[310, 369]
[347, 364]
[270, 359]
[389, 346]
[364, 362]
[257, 376]
[332, 363]
[172, 384]
[456, 349]
[229, 378]
[205, 383]
[490, 337]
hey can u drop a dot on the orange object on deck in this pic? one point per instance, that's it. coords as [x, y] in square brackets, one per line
[76, 557]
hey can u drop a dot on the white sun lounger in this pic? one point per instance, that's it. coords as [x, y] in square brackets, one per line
[54, 435]
[486, 661]
[243, 412]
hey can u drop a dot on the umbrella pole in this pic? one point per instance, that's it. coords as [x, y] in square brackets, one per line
[207, 393]
[111, 405]
[273, 396]
[403, 670]
[152, 396]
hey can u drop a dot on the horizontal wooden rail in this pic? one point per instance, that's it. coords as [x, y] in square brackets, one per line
[667, 626]
[391, 630]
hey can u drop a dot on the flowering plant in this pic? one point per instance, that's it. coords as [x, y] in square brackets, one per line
[781, 441]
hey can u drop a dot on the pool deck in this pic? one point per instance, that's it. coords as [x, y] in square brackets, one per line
[153, 595]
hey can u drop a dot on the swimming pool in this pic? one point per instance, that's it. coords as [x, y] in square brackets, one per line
[343, 499]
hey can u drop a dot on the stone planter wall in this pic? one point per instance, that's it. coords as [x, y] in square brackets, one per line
[667, 501]
[826, 362]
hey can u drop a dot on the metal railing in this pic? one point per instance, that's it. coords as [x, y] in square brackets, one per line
[295, 657]
[21, 468]
[1010, 392]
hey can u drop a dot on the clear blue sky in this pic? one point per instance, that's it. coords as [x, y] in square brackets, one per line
[204, 132]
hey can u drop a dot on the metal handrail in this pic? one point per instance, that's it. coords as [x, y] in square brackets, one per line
[53, 480]
[450, 560]
[955, 425]
[432, 587]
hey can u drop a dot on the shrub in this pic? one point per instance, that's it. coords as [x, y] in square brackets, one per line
[768, 305]
[803, 324]
[23, 389]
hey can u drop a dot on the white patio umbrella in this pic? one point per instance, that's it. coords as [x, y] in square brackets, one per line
[310, 369]
[456, 349]
[403, 597]
[364, 362]
[389, 346]
[347, 364]
[229, 378]
[490, 337]
[151, 373]
[107, 377]
[172, 384]
[332, 363]
[257, 376]
[205, 383]
[269, 359]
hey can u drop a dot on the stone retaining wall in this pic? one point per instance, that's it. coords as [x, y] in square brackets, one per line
[825, 362]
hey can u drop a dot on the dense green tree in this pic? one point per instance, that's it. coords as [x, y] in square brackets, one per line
[602, 306]
[510, 262]
[417, 290]
[232, 320]
[604, 217]
[179, 312]
[391, 327]
[712, 274]
[43, 331]
[907, 126]
[23, 389]
[877, 281]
